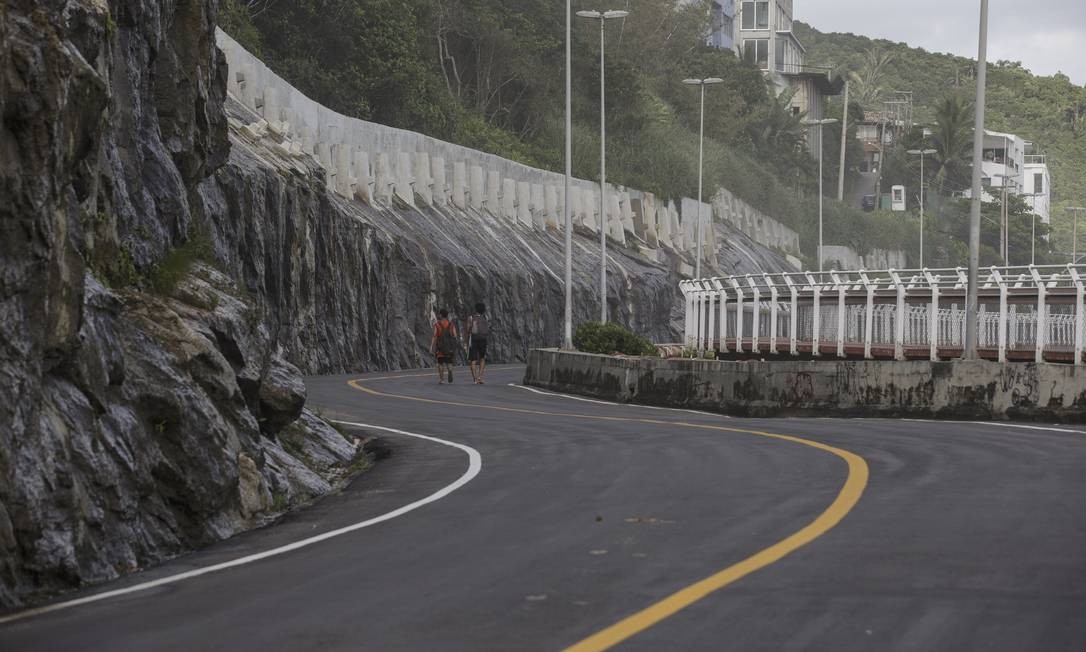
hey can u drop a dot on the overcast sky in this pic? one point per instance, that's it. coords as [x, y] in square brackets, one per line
[1047, 36]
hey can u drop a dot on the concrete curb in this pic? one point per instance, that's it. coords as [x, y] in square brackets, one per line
[823, 388]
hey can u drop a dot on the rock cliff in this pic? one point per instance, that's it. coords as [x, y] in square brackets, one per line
[150, 389]
[134, 425]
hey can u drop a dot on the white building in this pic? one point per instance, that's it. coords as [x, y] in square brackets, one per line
[761, 32]
[1003, 160]
[1009, 162]
[1038, 186]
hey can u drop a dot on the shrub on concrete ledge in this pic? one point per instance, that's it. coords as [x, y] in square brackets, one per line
[608, 339]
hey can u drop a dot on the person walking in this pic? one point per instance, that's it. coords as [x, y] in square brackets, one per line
[444, 344]
[478, 332]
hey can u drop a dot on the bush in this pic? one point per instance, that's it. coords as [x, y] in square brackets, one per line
[608, 339]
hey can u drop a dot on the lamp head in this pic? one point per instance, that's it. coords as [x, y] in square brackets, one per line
[618, 13]
[589, 14]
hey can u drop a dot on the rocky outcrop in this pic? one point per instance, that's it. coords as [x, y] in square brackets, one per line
[133, 426]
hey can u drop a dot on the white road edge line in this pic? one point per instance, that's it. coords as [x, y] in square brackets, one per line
[614, 404]
[1003, 424]
[475, 465]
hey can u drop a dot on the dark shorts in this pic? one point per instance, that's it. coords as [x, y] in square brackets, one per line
[477, 350]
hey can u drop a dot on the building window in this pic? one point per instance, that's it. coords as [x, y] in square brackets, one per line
[1038, 183]
[756, 51]
[781, 57]
[756, 14]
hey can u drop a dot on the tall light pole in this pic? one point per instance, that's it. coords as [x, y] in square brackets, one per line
[970, 351]
[1005, 217]
[567, 339]
[701, 159]
[1074, 210]
[844, 148]
[820, 124]
[603, 17]
[922, 153]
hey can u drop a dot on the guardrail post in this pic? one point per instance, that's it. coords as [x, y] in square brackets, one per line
[712, 321]
[793, 318]
[869, 315]
[1003, 316]
[840, 314]
[933, 317]
[772, 315]
[738, 315]
[688, 338]
[1080, 300]
[756, 305]
[1042, 314]
[699, 310]
[899, 326]
[816, 317]
[722, 295]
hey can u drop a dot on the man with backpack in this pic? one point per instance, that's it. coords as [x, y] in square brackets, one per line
[444, 344]
[478, 331]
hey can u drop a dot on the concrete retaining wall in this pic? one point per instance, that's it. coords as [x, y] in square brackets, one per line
[761, 228]
[374, 163]
[950, 390]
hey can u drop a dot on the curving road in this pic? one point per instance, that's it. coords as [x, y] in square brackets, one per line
[539, 521]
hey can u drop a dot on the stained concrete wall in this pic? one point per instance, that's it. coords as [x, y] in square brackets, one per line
[957, 389]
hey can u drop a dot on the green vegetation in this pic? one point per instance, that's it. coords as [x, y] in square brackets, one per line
[163, 278]
[1048, 111]
[489, 74]
[610, 338]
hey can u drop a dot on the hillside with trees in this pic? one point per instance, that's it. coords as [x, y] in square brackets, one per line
[1048, 111]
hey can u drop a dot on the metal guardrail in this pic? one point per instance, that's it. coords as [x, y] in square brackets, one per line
[1025, 313]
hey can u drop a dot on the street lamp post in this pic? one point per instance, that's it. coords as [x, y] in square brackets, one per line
[603, 17]
[1074, 210]
[567, 339]
[820, 124]
[922, 153]
[970, 350]
[701, 159]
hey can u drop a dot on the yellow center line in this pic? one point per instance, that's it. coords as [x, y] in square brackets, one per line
[635, 623]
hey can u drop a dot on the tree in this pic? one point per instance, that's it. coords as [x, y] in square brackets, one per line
[952, 140]
[868, 81]
[778, 135]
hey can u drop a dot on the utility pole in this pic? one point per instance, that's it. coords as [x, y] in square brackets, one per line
[844, 143]
[970, 352]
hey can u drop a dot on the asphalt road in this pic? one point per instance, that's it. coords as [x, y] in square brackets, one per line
[942, 536]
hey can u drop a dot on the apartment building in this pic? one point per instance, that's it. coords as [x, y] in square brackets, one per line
[1011, 163]
[760, 31]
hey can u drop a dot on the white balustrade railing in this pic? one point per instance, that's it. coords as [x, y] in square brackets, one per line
[1024, 313]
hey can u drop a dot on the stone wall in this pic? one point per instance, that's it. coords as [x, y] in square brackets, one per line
[845, 388]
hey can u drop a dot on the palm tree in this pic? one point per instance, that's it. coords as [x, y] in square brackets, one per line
[953, 142]
[867, 81]
[778, 134]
